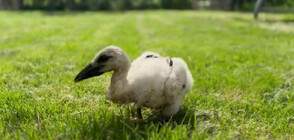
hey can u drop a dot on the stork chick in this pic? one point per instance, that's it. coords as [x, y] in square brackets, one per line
[150, 81]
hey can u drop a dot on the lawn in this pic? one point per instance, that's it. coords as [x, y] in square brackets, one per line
[243, 72]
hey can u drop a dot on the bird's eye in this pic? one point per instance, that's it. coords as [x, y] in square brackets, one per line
[148, 56]
[103, 58]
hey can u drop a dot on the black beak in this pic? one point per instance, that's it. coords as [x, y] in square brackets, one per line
[88, 72]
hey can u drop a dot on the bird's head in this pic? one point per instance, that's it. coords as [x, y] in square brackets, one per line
[111, 58]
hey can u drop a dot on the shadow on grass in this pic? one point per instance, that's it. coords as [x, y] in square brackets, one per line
[284, 20]
[184, 117]
[121, 126]
[287, 20]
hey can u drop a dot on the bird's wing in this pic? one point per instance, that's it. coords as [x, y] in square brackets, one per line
[147, 77]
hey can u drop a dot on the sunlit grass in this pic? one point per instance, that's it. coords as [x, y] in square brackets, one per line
[243, 75]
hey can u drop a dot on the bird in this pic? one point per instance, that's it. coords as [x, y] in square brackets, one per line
[151, 81]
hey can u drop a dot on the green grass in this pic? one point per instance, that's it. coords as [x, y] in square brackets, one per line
[243, 71]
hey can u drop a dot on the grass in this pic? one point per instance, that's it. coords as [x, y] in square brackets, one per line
[243, 71]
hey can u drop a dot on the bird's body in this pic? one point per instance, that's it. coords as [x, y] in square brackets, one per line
[150, 81]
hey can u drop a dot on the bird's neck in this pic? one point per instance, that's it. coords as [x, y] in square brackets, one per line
[118, 89]
[119, 77]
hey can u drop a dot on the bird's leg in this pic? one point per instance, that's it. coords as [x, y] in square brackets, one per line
[139, 113]
[139, 117]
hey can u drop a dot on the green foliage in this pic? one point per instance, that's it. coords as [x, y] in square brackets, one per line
[243, 72]
[38, 3]
[54, 4]
[99, 4]
[280, 3]
[109, 4]
[176, 4]
[119, 5]
[248, 5]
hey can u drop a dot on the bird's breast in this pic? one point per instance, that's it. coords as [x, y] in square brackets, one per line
[120, 96]
[151, 99]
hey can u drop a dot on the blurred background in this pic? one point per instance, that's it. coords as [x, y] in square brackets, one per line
[120, 5]
[243, 68]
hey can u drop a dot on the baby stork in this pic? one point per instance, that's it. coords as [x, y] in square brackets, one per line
[150, 81]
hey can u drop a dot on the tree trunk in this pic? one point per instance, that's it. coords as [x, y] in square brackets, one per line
[11, 4]
[38, 4]
[55, 4]
[49, 5]
[233, 3]
[230, 5]
[20, 4]
[16, 4]
[3, 4]
[70, 4]
[214, 5]
[240, 4]
[195, 4]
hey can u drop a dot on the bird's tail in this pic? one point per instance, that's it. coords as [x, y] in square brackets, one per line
[180, 68]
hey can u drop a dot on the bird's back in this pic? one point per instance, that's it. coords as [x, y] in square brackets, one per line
[158, 81]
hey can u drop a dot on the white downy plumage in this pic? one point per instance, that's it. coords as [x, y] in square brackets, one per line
[150, 81]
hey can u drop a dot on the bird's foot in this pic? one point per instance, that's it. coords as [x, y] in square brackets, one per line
[139, 117]
[138, 120]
